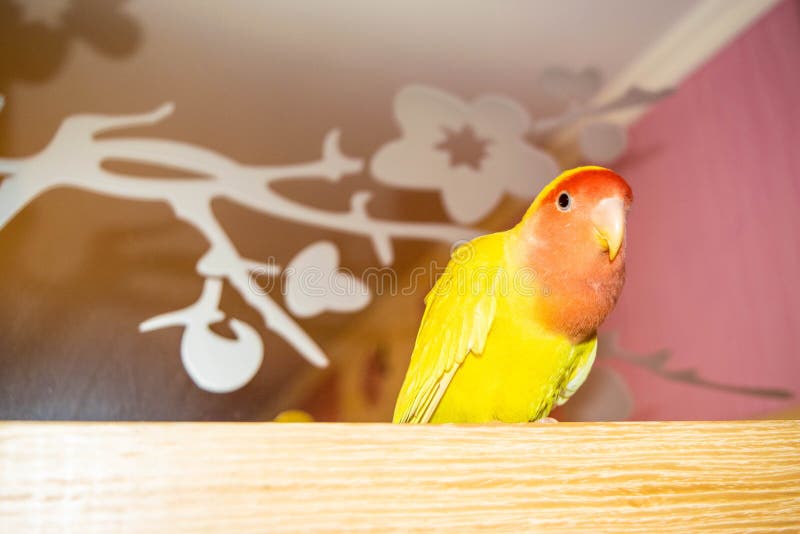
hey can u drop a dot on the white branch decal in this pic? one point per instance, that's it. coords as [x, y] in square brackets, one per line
[74, 158]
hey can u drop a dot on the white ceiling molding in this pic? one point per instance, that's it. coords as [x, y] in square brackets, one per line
[688, 44]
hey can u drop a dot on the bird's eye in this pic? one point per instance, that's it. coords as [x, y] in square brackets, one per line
[564, 201]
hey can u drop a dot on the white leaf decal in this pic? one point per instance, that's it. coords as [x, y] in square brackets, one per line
[215, 363]
[218, 364]
[315, 283]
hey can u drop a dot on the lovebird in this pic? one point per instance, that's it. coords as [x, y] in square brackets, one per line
[510, 328]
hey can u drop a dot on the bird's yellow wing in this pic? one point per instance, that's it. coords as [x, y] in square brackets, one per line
[584, 360]
[458, 315]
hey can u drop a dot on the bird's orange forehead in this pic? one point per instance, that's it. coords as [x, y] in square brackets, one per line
[589, 182]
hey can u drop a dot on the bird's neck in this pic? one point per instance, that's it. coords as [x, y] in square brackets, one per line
[573, 288]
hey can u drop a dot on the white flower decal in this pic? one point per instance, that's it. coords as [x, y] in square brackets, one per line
[471, 152]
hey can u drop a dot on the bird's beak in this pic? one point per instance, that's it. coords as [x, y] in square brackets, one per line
[608, 218]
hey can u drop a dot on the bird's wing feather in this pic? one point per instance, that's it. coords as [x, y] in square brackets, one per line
[581, 370]
[458, 316]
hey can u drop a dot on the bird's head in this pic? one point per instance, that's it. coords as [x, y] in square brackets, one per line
[581, 214]
[573, 235]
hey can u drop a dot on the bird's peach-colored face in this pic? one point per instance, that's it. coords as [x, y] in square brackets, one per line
[576, 243]
[584, 215]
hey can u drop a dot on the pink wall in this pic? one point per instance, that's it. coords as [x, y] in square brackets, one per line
[714, 244]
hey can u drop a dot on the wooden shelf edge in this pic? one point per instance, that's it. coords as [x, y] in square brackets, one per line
[732, 475]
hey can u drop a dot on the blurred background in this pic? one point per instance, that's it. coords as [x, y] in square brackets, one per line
[169, 170]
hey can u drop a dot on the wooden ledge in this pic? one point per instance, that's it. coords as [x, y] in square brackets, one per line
[632, 477]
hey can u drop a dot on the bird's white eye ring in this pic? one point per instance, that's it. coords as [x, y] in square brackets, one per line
[564, 201]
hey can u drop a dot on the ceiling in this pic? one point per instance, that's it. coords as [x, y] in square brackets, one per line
[253, 49]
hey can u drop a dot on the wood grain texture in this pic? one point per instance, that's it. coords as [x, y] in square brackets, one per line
[632, 477]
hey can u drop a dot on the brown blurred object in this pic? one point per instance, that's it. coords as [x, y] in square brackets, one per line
[293, 416]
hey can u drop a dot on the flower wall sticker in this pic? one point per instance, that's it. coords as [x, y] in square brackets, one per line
[474, 152]
[599, 141]
[36, 36]
[471, 152]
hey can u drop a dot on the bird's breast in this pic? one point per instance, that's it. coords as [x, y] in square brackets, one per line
[575, 304]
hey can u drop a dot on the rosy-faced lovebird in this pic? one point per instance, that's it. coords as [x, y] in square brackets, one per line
[510, 327]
